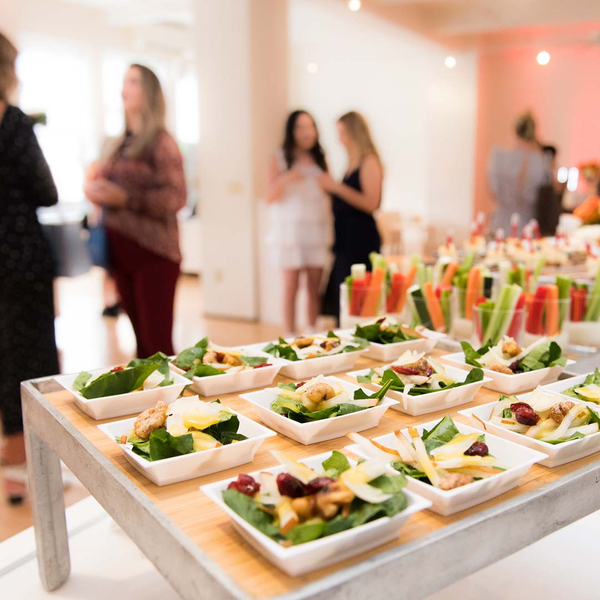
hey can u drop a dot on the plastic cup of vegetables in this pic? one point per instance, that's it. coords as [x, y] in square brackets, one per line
[310, 355]
[305, 515]
[124, 389]
[361, 302]
[484, 319]
[421, 384]
[215, 370]
[452, 465]
[585, 388]
[547, 315]
[512, 369]
[321, 409]
[563, 429]
[584, 325]
[189, 438]
[388, 338]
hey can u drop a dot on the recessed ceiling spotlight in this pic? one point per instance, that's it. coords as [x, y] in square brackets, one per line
[312, 67]
[543, 58]
[354, 5]
[450, 62]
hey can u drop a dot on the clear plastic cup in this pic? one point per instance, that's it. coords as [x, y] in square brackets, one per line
[547, 319]
[491, 325]
[354, 311]
[582, 331]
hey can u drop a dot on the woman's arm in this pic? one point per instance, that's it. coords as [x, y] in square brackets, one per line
[277, 180]
[371, 180]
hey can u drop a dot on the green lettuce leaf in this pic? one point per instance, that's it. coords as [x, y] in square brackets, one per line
[119, 382]
[591, 379]
[442, 433]
[81, 381]
[163, 366]
[287, 386]
[473, 356]
[545, 355]
[336, 464]
[226, 430]
[397, 385]
[306, 532]
[374, 333]
[192, 356]
[249, 510]
[410, 471]
[281, 350]
[201, 370]
[253, 361]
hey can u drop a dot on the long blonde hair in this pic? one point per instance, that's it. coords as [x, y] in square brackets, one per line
[359, 132]
[8, 73]
[153, 118]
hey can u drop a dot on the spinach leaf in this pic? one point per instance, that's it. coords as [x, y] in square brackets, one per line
[281, 350]
[191, 356]
[591, 379]
[594, 417]
[410, 471]
[472, 356]
[81, 381]
[287, 386]
[226, 430]
[336, 464]
[363, 512]
[162, 444]
[118, 382]
[163, 366]
[507, 413]
[576, 436]
[254, 361]
[249, 510]
[298, 412]
[332, 335]
[545, 355]
[391, 335]
[360, 394]
[441, 434]
[306, 532]
[366, 378]
[201, 370]
[397, 384]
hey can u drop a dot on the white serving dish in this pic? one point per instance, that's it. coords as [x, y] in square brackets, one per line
[317, 431]
[217, 385]
[511, 384]
[110, 407]
[558, 387]
[557, 455]
[311, 367]
[427, 403]
[516, 459]
[585, 333]
[303, 558]
[197, 464]
[390, 352]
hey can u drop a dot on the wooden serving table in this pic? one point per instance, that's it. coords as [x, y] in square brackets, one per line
[194, 545]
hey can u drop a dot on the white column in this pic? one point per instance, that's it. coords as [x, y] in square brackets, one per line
[241, 51]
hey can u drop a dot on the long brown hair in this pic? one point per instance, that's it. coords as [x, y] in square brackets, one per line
[8, 73]
[359, 132]
[289, 142]
[153, 118]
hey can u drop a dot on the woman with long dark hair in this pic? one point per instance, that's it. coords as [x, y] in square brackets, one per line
[141, 185]
[355, 199]
[299, 214]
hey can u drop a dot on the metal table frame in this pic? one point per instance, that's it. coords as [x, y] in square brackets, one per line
[420, 567]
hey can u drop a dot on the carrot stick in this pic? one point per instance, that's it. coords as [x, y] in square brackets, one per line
[552, 317]
[472, 292]
[408, 281]
[434, 307]
[449, 273]
[369, 307]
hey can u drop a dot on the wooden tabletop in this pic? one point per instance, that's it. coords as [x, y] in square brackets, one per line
[211, 529]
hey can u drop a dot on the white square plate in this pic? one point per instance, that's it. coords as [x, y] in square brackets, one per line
[427, 403]
[217, 385]
[303, 558]
[390, 352]
[516, 459]
[311, 367]
[197, 464]
[316, 431]
[511, 384]
[558, 454]
[110, 407]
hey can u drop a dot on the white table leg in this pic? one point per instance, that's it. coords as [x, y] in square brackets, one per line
[48, 507]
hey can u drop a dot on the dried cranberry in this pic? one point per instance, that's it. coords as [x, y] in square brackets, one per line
[313, 486]
[289, 486]
[245, 484]
[262, 365]
[524, 414]
[300, 384]
[220, 357]
[515, 368]
[477, 449]
[117, 369]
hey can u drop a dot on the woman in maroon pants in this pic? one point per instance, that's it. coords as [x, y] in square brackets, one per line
[141, 185]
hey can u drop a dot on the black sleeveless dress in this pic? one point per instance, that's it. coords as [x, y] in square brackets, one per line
[356, 236]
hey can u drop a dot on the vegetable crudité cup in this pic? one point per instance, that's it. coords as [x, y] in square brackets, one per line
[547, 318]
[361, 303]
[492, 324]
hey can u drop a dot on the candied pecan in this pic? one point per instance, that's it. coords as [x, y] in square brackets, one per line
[511, 348]
[559, 411]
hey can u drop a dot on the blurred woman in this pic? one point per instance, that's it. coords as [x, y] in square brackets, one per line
[27, 344]
[141, 185]
[355, 200]
[516, 175]
[299, 233]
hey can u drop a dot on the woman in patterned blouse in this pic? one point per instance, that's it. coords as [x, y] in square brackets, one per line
[141, 185]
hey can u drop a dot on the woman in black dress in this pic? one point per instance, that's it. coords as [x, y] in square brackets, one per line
[355, 200]
[27, 344]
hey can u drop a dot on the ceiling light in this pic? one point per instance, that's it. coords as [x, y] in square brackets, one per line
[354, 5]
[543, 58]
[312, 67]
[450, 62]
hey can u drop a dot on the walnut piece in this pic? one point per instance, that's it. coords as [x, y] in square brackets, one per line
[501, 369]
[454, 480]
[560, 410]
[150, 420]
[511, 348]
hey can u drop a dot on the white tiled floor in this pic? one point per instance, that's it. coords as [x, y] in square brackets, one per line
[106, 564]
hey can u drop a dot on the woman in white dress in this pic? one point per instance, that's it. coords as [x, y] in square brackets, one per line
[299, 234]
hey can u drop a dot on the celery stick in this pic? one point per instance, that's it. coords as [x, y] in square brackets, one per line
[461, 285]
[520, 278]
[358, 271]
[468, 261]
[415, 259]
[536, 275]
[445, 296]
[485, 311]
[421, 274]
[503, 313]
[349, 281]
[564, 293]
[429, 273]
[592, 312]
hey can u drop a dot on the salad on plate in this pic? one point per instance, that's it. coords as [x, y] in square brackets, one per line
[414, 374]
[509, 358]
[305, 347]
[206, 359]
[187, 425]
[387, 331]
[321, 398]
[138, 375]
[588, 391]
[300, 504]
[545, 417]
[442, 457]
